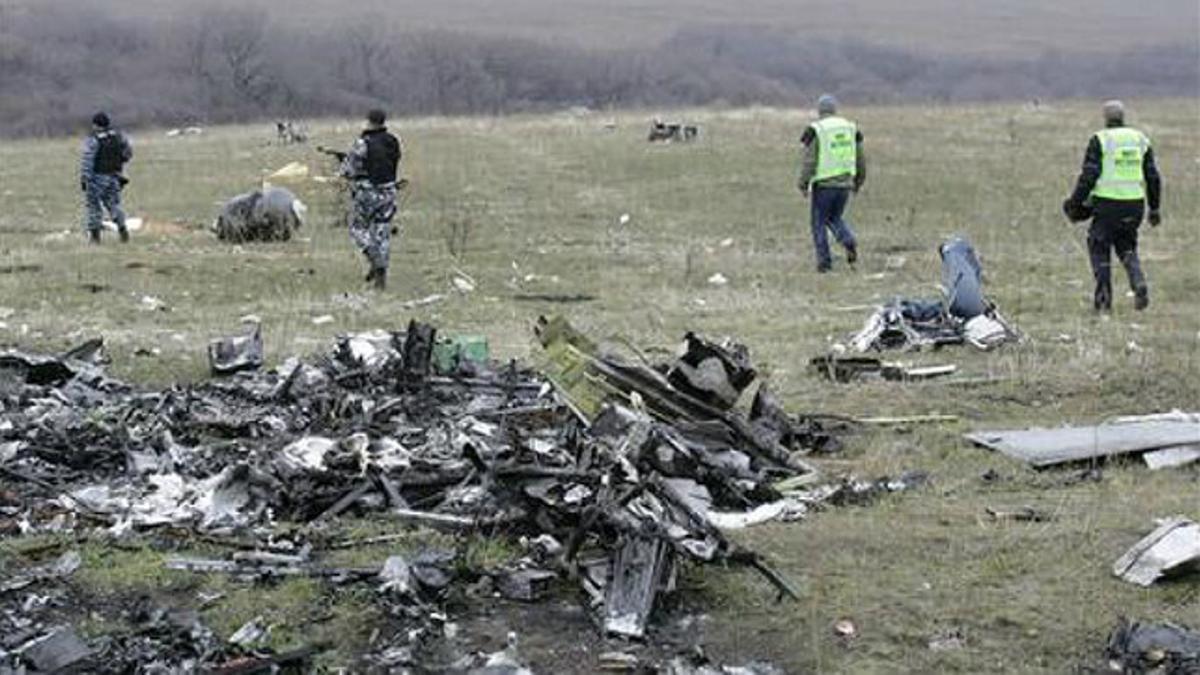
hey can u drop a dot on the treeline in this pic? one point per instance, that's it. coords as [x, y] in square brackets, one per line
[57, 66]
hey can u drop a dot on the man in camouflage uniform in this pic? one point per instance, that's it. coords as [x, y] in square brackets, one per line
[370, 166]
[105, 153]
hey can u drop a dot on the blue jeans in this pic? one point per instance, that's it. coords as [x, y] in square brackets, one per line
[828, 205]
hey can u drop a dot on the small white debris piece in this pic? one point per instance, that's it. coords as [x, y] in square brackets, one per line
[251, 319]
[718, 279]
[322, 320]
[1175, 544]
[421, 302]
[1132, 347]
[149, 303]
[463, 284]
[845, 629]
[250, 634]
[131, 224]
[727, 242]
[624, 219]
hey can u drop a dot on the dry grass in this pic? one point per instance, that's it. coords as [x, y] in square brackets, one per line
[533, 204]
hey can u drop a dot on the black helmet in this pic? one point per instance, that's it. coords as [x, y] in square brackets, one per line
[101, 120]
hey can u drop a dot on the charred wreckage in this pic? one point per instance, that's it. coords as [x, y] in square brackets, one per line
[613, 471]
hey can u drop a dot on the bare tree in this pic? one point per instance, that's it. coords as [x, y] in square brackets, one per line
[240, 43]
[369, 45]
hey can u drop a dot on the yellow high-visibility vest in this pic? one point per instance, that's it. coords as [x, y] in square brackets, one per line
[1122, 150]
[837, 148]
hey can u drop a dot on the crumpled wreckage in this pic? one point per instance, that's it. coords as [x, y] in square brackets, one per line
[617, 469]
[269, 214]
[1167, 648]
[964, 316]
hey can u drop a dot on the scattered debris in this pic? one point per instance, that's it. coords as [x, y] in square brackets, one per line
[288, 132]
[422, 302]
[1022, 514]
[718, 279]
[1166, 648]
[857, 368]
[948, 641]
[230, 355]
[554, 297]
[1171, 548]
[185, 131]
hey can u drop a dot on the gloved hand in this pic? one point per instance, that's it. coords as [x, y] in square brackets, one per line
[1074, 211]
[1155, 218]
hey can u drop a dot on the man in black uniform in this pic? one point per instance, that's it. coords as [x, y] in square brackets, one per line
[1118, 181]
[371, 168]
[105, 153]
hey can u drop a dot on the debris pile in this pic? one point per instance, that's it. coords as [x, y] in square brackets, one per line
[617, 471]
[269, 214]
[1167, 648]
[665, 132]
[965, 316]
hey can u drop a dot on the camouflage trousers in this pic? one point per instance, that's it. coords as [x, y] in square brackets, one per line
[103, 194]
[371, 222]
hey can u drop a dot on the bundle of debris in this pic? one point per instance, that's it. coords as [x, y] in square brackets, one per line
[620, 470]
[269, 214]
[965, 315]
[662, 132]
[1166, 648]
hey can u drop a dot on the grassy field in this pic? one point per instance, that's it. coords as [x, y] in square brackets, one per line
[996, 27]
[535, 205]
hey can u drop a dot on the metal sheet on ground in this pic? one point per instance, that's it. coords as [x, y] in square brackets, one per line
[1047, 447]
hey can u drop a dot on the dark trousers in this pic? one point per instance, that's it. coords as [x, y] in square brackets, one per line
[1115, 228]
[828, 207]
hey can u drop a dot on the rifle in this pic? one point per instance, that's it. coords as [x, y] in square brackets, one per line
[337, 154]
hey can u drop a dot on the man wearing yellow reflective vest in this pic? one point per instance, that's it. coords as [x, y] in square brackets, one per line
[1118, 182]
[832, 166]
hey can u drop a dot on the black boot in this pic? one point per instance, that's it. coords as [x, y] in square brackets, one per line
[380, 278]
[851, 254]
[370, 275]
[124, 234]
[1141, 298]
[93, 236]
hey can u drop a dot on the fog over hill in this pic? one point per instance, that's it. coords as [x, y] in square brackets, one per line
[173, 61]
